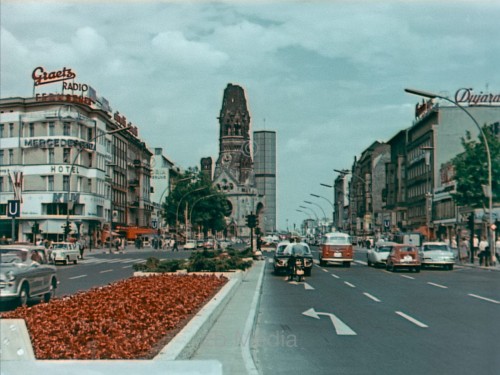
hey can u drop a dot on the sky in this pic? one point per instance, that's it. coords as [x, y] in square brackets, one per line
[327, 76]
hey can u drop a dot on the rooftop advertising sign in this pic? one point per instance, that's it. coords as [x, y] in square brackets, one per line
[42, 77]
[469, 97]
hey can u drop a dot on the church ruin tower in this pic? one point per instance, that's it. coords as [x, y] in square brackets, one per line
[234, 169]
[235, 147]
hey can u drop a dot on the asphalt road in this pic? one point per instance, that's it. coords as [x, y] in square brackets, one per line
[362, 320]
[98, 268]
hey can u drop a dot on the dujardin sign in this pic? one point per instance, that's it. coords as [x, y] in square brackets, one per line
[468, 96]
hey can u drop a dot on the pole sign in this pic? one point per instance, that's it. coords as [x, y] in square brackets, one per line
[14, 208]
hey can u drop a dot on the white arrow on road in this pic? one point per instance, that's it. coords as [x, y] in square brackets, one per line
[306, 285]
[341, 328]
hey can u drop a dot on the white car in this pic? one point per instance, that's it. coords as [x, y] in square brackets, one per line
[378, 255]
[190, 245]
[437, 254]
[65, 252]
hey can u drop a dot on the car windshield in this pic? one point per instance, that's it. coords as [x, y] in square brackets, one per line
[12, 256]
[338, 240]
[60, 246]
[280, 249]
[433, 247]
[384, 249]
[300, 250]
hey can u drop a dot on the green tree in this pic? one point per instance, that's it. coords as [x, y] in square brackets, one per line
[195, 196]
[471, 169]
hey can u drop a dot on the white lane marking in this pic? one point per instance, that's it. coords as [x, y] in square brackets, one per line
[336, 276]
[308, 287]
[360, 262]
[408, 277]
[324, 270]
[270, 260]
[127, 267]
[106, 271]
[372, 297]
[484, 298]
[341, 328]
[349, 284]
[76, 277]
[438, 285]
[413, 320]
[132, 260]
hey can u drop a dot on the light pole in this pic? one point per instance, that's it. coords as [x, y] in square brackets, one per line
[78, 152]
[428, 194]
[194, 204]
[431, 95]
[169, 189]
[178, 206]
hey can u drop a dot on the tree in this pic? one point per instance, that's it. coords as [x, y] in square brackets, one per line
[198, 197]
[471, 169]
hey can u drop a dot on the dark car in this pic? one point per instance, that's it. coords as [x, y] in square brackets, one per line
[403, 256]
[280, 259]
[300, 249]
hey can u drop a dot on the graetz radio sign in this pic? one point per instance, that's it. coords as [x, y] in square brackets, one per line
[468, 96]
[42, 77]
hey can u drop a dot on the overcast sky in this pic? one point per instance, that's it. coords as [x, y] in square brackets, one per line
[327, 76]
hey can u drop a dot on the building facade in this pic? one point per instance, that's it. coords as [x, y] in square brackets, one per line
[265, 176]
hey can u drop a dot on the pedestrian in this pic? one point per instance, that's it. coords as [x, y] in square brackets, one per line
[464, 253]
[136, 243]
[497, 249]
[485, 257]
[475, 248]
[81, 248]
[174, 247]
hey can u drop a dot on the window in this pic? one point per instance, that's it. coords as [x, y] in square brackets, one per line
[66, 128]
[1, 157]
[51, 156]
[1, 130]
[50, 183]
[65, 183]
[11, 130]
[11, 157]
[1, 184]
[52, 128]
[32, 130]
[66, 155]
[89, 134]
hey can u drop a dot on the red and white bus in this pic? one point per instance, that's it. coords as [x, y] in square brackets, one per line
[336, 247]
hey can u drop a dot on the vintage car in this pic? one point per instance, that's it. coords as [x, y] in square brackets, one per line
[336, 247]
[378, 254]
[25, 273]
[280, 259]
[65, 252]
[437, 254]
[403, 256]
[299, 249]
[190, 245]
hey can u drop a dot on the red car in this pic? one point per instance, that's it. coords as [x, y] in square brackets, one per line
[403, 256]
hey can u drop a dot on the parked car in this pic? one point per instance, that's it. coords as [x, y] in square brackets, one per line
[378, 255]
[25, 273]
[65, 252]
[190, 245]
[209, 244]
[437, 254]
[403, 256]
[300, 249]
[280, 259]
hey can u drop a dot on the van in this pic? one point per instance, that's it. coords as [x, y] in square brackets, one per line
[336, 247]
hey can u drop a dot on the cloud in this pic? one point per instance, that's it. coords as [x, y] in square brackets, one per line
[88, 42]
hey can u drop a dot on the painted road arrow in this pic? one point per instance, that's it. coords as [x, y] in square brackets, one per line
[306, 285]
[341, 328]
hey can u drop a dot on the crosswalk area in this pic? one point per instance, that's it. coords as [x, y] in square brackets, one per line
[90, 260]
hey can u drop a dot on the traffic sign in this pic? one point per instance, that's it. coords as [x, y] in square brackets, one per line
[14, 208]
[154, 224]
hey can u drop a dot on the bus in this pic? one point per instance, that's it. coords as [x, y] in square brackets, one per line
[336, 247]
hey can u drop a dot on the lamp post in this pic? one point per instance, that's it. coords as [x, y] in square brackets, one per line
[169, 189]
[308, 215]
[324, 215]
[179, 205]
[431, 95]
[78, 152]
[194, 204]
[428, 194]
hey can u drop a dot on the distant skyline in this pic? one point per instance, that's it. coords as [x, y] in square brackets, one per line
[327, 76]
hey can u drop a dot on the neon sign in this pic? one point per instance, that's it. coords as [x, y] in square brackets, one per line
[41, 77]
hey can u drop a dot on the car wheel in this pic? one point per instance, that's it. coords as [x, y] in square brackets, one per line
[322, 263]
[65, 262]
[24, 295]
[51, 293]
[450, 267]
[417, 269]
[347, 264]
[369, 263]
[75, 261]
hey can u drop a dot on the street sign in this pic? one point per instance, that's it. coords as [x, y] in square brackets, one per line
[14, 208]
[154, 224]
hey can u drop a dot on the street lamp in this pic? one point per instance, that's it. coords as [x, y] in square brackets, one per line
[428, 194]
[488, 155]
[168, 188]
[314, 212]
[78, 152]
[179, 205]
[194, 204]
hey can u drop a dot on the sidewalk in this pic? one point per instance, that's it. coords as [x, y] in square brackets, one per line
[228, 341]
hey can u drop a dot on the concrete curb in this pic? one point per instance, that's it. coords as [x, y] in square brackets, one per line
[185, 343]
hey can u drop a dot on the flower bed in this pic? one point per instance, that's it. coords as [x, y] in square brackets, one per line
[130, 319]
